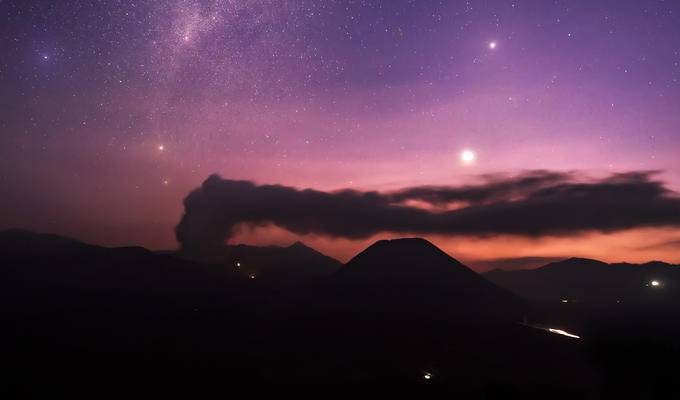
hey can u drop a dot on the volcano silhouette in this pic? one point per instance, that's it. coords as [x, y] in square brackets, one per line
[414, 275]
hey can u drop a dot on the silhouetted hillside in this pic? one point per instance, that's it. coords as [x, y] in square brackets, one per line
[402, 311]
[44, 262]
[413, 275]
[20, 243]
[403, 308]
[585, 280]
[297, 263]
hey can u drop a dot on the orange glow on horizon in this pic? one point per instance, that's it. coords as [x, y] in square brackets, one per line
[635, 246]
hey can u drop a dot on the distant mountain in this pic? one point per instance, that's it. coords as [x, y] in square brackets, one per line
[400, 311]
[403, 303]
[414, 275]
[20, 243]
[512, 263]
[39, 262]
[586, 280]
[283, 265]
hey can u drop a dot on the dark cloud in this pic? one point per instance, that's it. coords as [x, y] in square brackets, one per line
[493, 188]
[533, 204]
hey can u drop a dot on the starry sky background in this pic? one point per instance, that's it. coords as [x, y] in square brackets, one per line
[112, 111]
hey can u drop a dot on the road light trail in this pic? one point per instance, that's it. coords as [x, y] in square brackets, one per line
[563, 333]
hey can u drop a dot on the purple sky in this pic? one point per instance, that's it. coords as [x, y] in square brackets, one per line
[112, 112]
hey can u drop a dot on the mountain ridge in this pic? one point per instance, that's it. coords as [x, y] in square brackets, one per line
[579, 279]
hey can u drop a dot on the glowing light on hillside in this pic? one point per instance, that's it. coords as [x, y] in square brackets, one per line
[563, 333]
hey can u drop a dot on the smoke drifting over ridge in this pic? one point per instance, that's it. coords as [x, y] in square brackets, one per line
[534, 203]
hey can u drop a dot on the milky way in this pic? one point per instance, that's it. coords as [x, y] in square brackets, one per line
[112, 112]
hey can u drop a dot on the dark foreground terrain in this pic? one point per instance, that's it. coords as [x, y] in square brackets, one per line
[401, 312]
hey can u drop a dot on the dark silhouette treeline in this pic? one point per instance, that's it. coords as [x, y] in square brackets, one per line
[400, 312]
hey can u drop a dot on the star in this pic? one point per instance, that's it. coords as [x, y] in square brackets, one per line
[492, 45]
[467, 156]
[161, 147]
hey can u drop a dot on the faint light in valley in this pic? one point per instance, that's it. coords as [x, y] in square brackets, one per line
[563, 333]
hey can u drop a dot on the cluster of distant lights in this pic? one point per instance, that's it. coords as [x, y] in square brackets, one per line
[653, 284]
[428, 375]
[251, 275]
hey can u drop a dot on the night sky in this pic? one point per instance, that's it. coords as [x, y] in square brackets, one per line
[111, 112]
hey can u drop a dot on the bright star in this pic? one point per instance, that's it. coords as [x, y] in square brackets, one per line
[161, 148]
[492, 45]
[467, 156]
